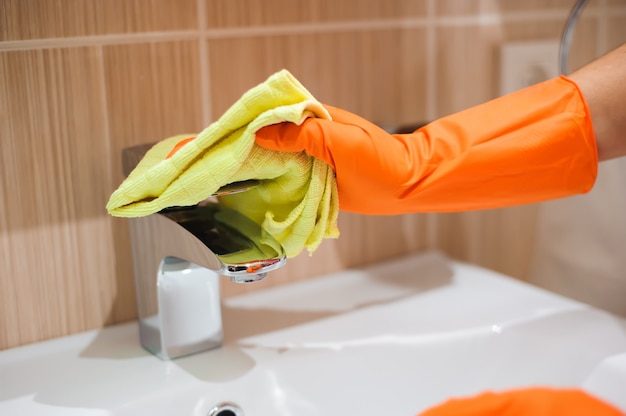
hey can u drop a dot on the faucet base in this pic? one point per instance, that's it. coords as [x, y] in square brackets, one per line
[189, 319]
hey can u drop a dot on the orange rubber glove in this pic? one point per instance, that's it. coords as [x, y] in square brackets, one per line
[533, 145]
[526, 402]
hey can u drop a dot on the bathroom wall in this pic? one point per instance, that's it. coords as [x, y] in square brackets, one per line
[82, 79]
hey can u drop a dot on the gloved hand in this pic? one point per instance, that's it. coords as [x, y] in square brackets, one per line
[533, 145]
[526, 402]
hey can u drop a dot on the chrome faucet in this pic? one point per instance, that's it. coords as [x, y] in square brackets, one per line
[178, 256]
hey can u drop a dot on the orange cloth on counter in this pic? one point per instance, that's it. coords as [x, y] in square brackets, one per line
[532, 145]
[526, 402]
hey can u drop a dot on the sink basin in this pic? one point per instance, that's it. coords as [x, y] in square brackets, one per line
[394, 338]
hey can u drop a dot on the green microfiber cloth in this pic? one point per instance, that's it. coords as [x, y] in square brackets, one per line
[296, 201]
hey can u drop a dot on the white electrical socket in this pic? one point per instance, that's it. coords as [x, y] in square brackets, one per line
[526, 63]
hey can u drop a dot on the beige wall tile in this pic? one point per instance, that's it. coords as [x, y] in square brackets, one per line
[55, 136]
[464, 7]
[379, 74]
[616, 28]
[532, 5]
[58, 269]
[153, 92]
[473, 7]
[499, 239]
[616, 3]
[234, 13]
[531, 30]
[39, 19]
[467, 66]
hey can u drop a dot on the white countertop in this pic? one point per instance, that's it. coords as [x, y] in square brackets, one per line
[394, 338]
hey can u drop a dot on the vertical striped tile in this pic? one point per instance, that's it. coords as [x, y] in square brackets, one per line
[41, 19]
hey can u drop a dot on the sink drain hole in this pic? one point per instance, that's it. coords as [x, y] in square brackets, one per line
[226, 409]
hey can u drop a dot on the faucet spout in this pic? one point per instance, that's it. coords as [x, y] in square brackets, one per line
[244, 250]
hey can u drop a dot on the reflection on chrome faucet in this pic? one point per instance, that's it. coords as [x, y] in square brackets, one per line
[246, 251]
[178, 255]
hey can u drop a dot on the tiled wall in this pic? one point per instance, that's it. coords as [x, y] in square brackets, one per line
[82, 79]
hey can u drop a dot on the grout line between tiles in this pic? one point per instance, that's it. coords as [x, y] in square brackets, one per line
[603, 28]
[100, 40]
[205, 67]
[431, 63]
[432, 220]
[312, 28]
[296, 29]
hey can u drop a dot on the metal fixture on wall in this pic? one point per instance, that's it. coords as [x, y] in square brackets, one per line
[568, 33]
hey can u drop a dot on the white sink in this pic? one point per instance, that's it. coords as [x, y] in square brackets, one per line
[392, 339]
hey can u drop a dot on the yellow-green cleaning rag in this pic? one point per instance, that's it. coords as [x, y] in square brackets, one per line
[296, 201]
